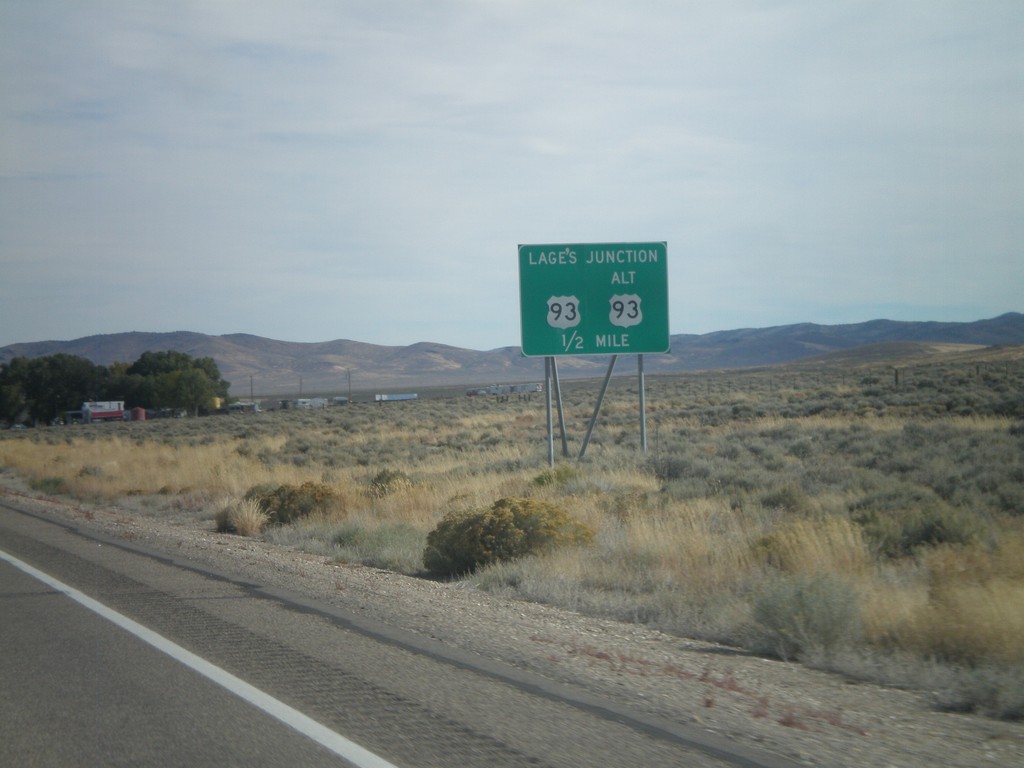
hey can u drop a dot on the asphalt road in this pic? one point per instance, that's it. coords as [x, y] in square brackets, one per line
[78, 689]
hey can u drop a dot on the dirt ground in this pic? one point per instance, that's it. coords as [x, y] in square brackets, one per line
[807, 716]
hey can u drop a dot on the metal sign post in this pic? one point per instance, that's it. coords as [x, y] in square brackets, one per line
[552, 386]
[558, 403]
[548, 362]
[641, 385]
[597, 407]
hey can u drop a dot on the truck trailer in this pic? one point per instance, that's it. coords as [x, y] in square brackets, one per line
[102, 410]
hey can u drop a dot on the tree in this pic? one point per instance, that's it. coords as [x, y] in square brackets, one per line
[12, 389]
[58, 383]
[159, 363]
[188, 388]
[171, 379]
[134, 389]
[209, 367]
[45, 387]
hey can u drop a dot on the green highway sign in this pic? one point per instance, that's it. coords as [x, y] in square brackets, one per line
[593, 298]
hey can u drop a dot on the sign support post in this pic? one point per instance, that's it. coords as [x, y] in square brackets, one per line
[558, 405]
[548, 362]
[552, 386]
[641, 386]
[597, 407]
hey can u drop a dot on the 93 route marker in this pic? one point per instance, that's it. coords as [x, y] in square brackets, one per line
[593, 298]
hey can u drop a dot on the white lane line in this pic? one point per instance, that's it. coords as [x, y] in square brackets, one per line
[321, 734]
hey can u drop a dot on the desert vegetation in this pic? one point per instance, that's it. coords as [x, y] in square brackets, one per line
[869, 520]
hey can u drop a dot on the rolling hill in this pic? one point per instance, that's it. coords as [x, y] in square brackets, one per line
[283, 367]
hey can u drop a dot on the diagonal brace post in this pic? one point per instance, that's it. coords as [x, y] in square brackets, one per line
[597, 408]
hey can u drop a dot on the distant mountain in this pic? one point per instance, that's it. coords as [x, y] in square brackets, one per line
[283, 367]
[785, 343]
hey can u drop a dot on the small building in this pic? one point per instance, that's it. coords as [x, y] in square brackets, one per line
[103, 410]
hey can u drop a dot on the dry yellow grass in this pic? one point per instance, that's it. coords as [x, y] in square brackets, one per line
[829, 545]
[701, 544]
[975, 608]
[972, 623]
[114, 467]
[244, 517]
[959, 604]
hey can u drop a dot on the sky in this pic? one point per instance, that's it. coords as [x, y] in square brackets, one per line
[310, 170]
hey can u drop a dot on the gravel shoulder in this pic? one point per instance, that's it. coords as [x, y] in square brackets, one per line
[804, 715]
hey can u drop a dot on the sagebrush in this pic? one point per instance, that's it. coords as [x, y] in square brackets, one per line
[509, 529]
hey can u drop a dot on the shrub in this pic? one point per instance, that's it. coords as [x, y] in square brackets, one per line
[833, 544]
[246, 518]
[559, 475]
[512, 527]
[993, 690]
[789, 498]
[392, 546]
[222, 521]
[974, 613]
[51, 486]
[668, 467]
[286, 503]
[808, 614]
[802, 449]
[388, 481]
[901, 532]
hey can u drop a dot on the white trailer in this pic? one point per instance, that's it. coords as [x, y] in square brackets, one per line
[102, 410]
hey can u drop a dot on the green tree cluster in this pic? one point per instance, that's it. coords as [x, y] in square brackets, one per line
[43, 388]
